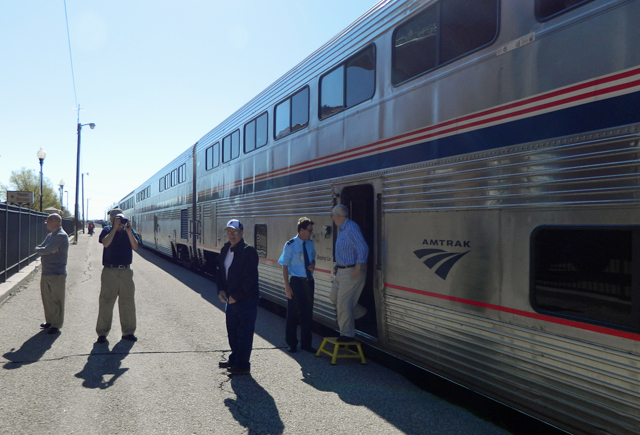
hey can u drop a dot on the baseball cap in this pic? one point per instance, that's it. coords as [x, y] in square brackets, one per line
[235, 224]
[114, 213]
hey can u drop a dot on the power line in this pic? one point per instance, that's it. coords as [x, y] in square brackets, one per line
[71, 60]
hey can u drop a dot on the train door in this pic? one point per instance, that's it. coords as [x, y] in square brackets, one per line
[155, 230]
[360, 200]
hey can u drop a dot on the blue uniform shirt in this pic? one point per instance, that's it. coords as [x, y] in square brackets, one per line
[293, 258]
[351, 248]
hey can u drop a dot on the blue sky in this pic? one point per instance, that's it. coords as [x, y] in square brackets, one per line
[153, 76]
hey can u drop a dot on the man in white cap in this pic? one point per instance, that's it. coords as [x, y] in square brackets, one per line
[119, 241]
[53, 252]
[237, 279]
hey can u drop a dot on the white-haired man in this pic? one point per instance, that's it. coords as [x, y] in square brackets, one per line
[351, 272]
[53, 254]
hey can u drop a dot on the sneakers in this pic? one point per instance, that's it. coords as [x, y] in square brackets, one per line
[225, 364]
[102, 339]
[130, 337]
[237, 371]
[53, 331]
[45, 325]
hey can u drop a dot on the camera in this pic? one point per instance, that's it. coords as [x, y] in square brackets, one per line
[124, 220]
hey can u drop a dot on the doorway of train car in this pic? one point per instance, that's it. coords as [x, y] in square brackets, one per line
[360, 200]
[155, 230]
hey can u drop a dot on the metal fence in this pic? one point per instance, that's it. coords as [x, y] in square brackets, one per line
[21, 230]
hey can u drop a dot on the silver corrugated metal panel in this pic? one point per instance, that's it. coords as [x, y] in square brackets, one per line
[567, 376]
[594, 169]
[309, 199]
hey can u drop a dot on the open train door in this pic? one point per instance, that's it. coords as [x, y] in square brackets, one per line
[155, 230]
[360, 200]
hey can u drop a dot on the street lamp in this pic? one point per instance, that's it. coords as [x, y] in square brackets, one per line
[83, 221]
[61, 192]
[41, 155]
[75, 224]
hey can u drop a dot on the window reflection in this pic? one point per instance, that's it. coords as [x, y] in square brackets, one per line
[332, 92]
[300, 110]
[282, 119]
[261, 131]
[360, 78]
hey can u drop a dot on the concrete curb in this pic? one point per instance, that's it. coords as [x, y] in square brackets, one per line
[9, 287]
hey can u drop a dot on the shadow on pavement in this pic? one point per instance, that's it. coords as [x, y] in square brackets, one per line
[102, 363]
[254, 408]
[354, 383]
[31, 351]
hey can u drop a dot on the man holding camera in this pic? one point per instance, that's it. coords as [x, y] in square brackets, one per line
[119, 241]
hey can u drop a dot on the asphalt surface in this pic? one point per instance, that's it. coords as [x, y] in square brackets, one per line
[168, 382]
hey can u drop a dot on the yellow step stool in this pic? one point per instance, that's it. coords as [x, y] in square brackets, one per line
[348, 353]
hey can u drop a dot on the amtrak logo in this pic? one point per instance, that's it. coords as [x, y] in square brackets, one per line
[439, 257]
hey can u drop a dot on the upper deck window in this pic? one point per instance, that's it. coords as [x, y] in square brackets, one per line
[442, 33]
[212, 156]
[348, 84]
[255, 133]
[547, 9]
[292, 114]
[231, 146]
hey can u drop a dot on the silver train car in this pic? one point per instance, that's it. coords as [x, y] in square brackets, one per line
[489, 150]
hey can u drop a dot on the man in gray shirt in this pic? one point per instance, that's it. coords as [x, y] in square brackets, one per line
[53, 252]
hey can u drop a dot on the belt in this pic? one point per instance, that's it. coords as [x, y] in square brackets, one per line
[346, 267]
[304, 278]
[118, 266]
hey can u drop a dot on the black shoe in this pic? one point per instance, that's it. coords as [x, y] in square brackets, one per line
[102, 339]
[345, 339]
[225, 364]
[130, 337]
[292, 349]
[236, 371]
[45, 325]
[53, 330]
[309, 349]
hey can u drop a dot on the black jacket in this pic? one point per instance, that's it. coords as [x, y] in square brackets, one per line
[243, 273]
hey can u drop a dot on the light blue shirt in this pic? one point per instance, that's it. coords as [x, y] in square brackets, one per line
[293, 258]
[351, 248]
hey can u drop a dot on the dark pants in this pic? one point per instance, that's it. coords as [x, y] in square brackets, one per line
[241, 324]
[300, 307]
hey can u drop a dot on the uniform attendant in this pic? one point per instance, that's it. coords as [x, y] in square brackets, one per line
[119, 241]
[298, 260]
[351, 271]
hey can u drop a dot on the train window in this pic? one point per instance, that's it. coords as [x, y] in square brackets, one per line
[348, 84]
[292, 114]
[161, 184]
[260, 239]
[174, 179]
[231, 146]
[182, 173]
[212, 156]
[440, 34]
[167, 181]
[360, 78]
[255, 133]
[586, 274]
[547, 9]
[332, 92]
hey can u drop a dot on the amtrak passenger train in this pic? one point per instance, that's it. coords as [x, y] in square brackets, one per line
[490, 152]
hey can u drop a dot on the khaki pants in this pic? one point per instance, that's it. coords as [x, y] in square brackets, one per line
[52, 291]
[345, 292]
[117, 284]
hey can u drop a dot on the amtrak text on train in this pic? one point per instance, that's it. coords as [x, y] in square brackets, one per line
[444, 242]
